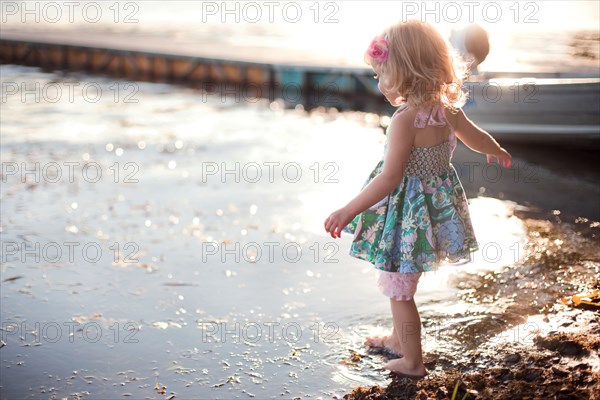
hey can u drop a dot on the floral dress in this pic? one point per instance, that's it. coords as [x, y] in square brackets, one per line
[423, 222]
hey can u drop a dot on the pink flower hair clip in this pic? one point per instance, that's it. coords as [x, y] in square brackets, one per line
[378, 49]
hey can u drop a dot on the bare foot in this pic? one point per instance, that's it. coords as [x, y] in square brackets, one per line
[388, 342]
[401, 367]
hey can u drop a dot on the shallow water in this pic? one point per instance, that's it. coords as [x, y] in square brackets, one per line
[212, 283]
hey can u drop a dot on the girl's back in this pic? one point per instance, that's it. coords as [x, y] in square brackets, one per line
[430, 128]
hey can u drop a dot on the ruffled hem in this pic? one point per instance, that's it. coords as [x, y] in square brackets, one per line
[400, 287]
[411, 268]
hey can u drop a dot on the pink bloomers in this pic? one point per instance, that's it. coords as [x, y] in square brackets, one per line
[400, 287]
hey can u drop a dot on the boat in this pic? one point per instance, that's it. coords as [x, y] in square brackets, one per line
[534, 108]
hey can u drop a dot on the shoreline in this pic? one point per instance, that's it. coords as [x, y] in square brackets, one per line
[168, 224]
[159, 45]
[532, 345]
[200, 46]
[311, 79]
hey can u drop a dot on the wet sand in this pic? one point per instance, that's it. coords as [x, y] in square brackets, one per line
[531, 345]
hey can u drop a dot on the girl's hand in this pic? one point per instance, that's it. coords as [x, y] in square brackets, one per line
[502, 156]
[338, 221]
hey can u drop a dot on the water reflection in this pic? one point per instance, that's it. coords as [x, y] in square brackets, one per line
[209, 282]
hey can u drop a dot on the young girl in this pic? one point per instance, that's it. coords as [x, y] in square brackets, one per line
[412, 213]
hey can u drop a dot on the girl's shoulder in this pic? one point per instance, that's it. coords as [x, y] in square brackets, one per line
[401, 109]
[402, 122]
[421, 116]
[452, 114]
[403, 116]
[435, 114]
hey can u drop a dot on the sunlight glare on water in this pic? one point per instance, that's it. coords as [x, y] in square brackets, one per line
[172, 133]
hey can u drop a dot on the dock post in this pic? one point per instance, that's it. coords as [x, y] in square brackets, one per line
[272, 83]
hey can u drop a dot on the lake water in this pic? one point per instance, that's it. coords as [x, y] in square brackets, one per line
[166, 237]
[134, 281]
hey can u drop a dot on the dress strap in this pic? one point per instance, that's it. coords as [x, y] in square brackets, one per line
[435, 117]
[400, 109]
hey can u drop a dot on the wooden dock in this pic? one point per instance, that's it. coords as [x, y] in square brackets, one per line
[295, 78]
[543, 108]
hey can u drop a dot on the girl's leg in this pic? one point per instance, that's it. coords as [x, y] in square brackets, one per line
[407, 324]
[400, 286]
[389, 342]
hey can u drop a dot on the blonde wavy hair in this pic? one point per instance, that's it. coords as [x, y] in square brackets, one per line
[421, 66]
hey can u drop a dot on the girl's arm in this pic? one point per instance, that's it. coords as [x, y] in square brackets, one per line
[479, 140]
[400, 140]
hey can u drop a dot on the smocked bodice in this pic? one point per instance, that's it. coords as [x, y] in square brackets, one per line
[431, 160]
[426, 161]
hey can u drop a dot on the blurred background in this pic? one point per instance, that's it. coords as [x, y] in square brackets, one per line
[555, 36]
